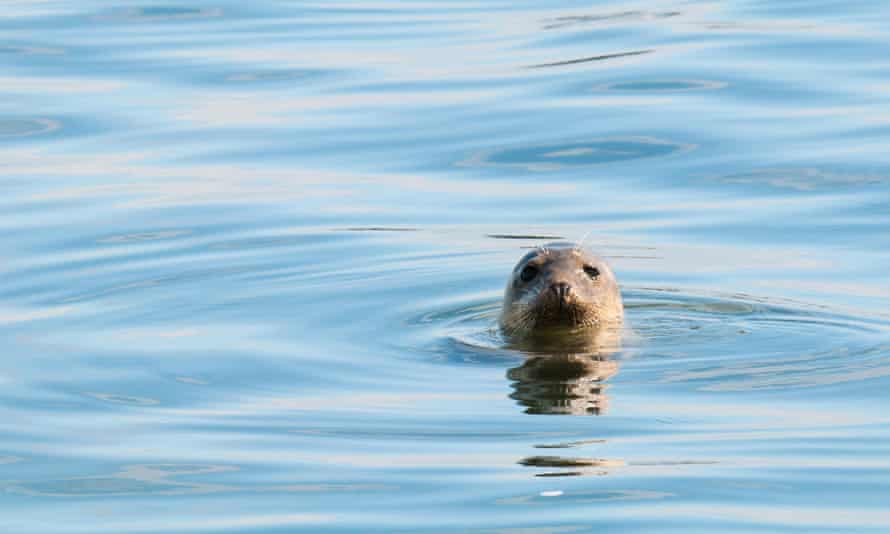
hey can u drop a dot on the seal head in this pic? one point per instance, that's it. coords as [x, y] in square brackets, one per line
[560, 287]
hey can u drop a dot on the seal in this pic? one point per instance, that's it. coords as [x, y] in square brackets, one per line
[560, 288]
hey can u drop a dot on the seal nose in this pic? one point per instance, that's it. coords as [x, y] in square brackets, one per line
[562, 290]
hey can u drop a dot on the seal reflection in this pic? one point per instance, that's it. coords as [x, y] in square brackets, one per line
[562, 384]
[565, 373]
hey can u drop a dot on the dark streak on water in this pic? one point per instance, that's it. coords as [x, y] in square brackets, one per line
[526, 236]
[601, 57]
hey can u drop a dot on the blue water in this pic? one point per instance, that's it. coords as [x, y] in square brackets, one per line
[253, 253]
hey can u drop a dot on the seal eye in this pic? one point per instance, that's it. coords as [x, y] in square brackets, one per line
[528, 273]
[592, 272]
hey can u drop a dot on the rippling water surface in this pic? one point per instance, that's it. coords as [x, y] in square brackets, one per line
[253, 254]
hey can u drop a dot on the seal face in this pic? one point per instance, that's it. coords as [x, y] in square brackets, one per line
[560, 287]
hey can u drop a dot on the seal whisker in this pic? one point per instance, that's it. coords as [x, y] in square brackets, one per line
[580, 244]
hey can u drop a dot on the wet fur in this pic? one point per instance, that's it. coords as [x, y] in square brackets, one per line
[532, 309]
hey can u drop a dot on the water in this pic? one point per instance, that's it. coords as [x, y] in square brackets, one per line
[252, 256]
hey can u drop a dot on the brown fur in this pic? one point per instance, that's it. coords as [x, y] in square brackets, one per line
[561, 296]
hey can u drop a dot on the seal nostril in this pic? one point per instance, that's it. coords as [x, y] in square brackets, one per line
[562, 290]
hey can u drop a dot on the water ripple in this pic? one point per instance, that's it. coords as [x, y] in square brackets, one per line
[712, 342]
[807, 179]
[661, 86]
[155, 14]
[588, 497]
[552, 157]
[571, 21]
[286, 227]
[124, 399]
[14, 128]
[163, 479]
[26, 50]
